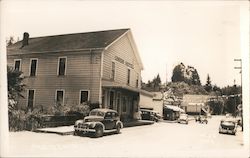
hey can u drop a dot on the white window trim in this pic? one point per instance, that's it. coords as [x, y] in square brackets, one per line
[28, 97]
[58, 64]
[80, 94]
[63, 95]
[36, 66]
[20, 68]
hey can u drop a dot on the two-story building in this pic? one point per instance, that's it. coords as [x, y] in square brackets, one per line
[103, 68]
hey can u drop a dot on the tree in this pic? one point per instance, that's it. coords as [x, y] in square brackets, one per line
[208, 87]
[156, 81]
[178, 75]
[15, 84]
[195, 80]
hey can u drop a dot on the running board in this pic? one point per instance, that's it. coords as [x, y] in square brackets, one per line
[108, 131]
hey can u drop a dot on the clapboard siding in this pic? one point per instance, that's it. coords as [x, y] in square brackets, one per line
[122, 49]
[82, 73]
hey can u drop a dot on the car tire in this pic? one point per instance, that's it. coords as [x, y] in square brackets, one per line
[98, 131]
[76, 133]
[118, 129]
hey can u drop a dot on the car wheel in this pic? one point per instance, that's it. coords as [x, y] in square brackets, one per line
[76, 133]
[118, 129]
[98, 131]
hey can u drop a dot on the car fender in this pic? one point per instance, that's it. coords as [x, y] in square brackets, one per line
[98, 124]
[119, 122]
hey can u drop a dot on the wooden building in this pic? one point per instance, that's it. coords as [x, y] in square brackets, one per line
[103, 68]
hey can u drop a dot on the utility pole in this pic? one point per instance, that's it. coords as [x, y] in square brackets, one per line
[239, 60]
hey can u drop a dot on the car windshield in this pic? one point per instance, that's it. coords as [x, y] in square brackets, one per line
[96, 113]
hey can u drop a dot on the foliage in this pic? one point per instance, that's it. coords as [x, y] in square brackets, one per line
[178, 73]
[181, 88]
[188, 74]
[216, 106]
[21, 119]
[208, 86]
[154, 85]
[15, 83]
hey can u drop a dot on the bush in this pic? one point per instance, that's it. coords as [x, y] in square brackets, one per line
[21, 119]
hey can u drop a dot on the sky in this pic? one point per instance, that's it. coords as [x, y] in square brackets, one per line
[205, 35]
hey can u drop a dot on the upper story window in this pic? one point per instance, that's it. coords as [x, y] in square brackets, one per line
[137, 80]
[128, 77]
[33, 67]
[84, 96]
[17, 65]
[62, 66]
[113, 71]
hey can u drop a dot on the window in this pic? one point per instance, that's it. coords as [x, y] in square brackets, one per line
[118, 102]
[84, 96]
[124, 104]
[33, 67]
[17, 64]
[59, 97]
[31, 95]
[111, 99]
[62, 66]
[113, 71]
[128, 79]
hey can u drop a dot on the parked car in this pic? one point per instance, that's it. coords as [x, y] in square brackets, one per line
[201, 119]
[150, 115]
[183, 118]
[98, 122]
[228, 125]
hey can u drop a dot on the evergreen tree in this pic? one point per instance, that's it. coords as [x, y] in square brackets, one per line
[208, 86]
[195, 80]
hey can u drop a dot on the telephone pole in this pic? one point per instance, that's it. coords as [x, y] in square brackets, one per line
[240, 68]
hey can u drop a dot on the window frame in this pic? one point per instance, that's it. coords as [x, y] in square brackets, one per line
[20, 66]
[81, 95]
[31, 65]
[58, 65]
[63, 95]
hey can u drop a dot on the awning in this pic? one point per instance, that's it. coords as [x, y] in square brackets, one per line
[174, 108]
[109, 84]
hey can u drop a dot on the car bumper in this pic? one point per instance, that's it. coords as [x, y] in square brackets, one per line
[85, 130]
[227, 131]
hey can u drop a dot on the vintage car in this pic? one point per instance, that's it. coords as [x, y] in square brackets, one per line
[183, 118]
[150, 115]
[228, 125]
[201, 119]
[98, 122]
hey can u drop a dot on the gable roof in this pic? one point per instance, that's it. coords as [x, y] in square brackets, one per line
[67, 42]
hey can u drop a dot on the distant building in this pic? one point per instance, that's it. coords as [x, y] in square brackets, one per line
[103, 68]
[151, 101]
[195, 104]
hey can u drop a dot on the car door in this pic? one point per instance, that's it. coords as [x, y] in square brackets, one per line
[108, 121]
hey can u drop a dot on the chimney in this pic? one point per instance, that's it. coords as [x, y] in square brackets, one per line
[25, 39]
